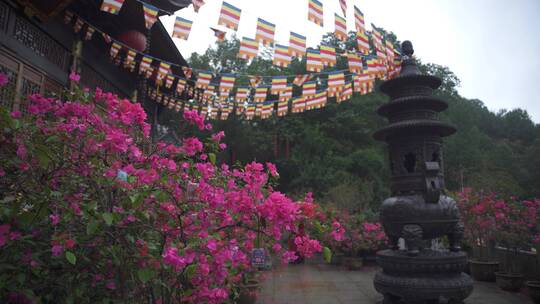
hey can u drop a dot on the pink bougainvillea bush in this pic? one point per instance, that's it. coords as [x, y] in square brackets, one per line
[490, 220]
[91, 212]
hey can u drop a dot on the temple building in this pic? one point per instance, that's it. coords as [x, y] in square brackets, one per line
[39, 47]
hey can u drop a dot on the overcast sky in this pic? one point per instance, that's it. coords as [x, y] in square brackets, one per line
[493, 46]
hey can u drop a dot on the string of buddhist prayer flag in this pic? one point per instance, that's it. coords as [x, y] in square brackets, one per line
[203, 80]
[285, 95]
[129, 62]
[359, 21]
[241, 94]
[281, 56]
[343, 4]
[220, 35]
[341, 28]
[300, 79]
[182, 27]
[255, 80]
[336, 80]
[115, 48]
[355, 63]
[150, 15]
[227, 82]
[297, 45]
[180, 85]
[89, 32]
[328, 55]
[112, 6]
[248, 48]
[309, 89]
[313, 62]
[362, 41]
[229, 16]
[279, 84]
[283, 108]
[265, 32]
[78, 25]
[298, 104]
[197, 5]
[260, 94]
[315, 12]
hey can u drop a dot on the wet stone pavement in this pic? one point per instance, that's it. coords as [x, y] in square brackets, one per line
[323, 283]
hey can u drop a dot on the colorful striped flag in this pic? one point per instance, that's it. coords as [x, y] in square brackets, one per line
[203, 80]
[197, 5]
[309, 89]
[182, 27]
[214, 112]
[346, 93]
[169, 79]
[241, 94]
[180, 86]
[145, 66]
[106, 37]
[223, 95]
[163, 70]
[178, 106]
[267, 109]
[389, 51]
[377, 37]
[313, 63]
[297, 45]
[336, 80]
[265, 32]
[209, 93]
[225, 111]
[150, 14]
[187, 72]
[328, 55]
[230, 16]
[254, 80]
[248, 48]
[283, 108]
[227, 82]
[362, 41]
[343, 4]
[341, 28]
[250, 111]
[285, 95]
[359, 21]
[355, 63]
[281, 56]
[89, 32]
[315, 12]
[78, 25]
[68, 17]
[260, 94]
[219, 34]
[115, 48]
[300, 79]
[204, 110]
[187, 107]
[298, 104]
[316, 101]
[279, 84]
[129, 62]
[112, 6]
[361, 82]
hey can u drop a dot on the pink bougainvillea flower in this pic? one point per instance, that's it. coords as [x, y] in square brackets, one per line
[70, 243]
[223, 146]
[16, 114]
[110, 285]
[74, 77]
[55, 219]
[272, 169]
[3, 79]
[57, 250]
[218, 136]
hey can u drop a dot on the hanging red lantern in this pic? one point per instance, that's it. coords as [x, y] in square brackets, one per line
[134, 39]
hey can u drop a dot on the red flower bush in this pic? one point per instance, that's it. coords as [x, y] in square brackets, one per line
[89, 211]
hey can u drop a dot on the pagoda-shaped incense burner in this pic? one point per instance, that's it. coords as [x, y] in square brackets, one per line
[418, 210]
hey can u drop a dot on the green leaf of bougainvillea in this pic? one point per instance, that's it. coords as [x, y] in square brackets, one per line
[108, 218]
[212, 158]
[145, 274]
[71, 257]
[190, 271]
[327, 254]
[92, 227]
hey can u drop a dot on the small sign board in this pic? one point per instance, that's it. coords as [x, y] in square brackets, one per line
[258, 257]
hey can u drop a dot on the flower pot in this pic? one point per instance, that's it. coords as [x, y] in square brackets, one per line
[352, 263]
[248, 292]
[509, 281]
[534, 290]
[337, 259]
[484, 271]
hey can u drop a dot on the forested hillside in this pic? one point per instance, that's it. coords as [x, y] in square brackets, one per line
[331, 152]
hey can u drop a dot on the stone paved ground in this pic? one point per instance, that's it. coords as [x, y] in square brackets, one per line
[322, 283]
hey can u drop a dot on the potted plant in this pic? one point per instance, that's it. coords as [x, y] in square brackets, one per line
[248, 289]
[479, 222]
[514, 220]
